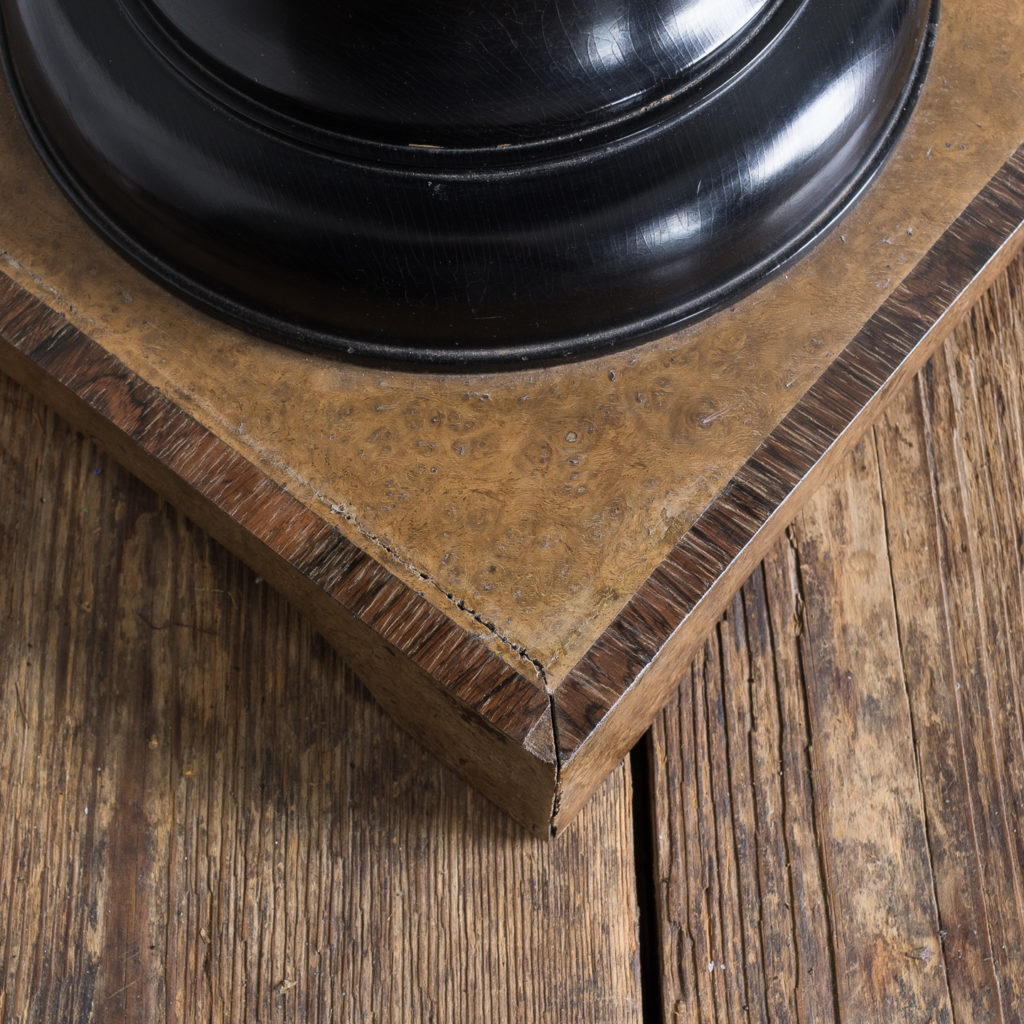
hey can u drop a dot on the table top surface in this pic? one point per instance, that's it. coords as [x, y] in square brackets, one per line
[203, 816]
[529, 507]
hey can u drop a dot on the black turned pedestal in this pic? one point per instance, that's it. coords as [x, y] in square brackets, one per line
[467, 181]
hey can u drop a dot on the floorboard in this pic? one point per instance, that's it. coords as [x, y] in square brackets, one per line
[204, 817]
[838, 787]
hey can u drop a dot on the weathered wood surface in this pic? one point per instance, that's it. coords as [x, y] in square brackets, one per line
[838, 787]
[204, 817]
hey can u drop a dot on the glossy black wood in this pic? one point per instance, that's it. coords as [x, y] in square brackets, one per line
[461, 72]
[460, 181]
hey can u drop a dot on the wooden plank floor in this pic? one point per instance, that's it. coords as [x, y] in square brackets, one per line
[838, 787]
[202, 816]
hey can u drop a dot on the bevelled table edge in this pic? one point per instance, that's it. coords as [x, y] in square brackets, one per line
[607, 701]
[441, 683]
[538, 755]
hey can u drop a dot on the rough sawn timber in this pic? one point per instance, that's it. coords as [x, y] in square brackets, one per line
[837, 786]
[204, 816]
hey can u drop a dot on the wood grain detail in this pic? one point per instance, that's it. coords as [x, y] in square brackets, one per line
[402, 644]
[205, 817]
[837, 786]
[632, 668]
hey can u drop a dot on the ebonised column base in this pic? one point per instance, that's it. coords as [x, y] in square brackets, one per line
[451, 247]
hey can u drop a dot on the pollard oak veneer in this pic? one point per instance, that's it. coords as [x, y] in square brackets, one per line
[519, 564]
